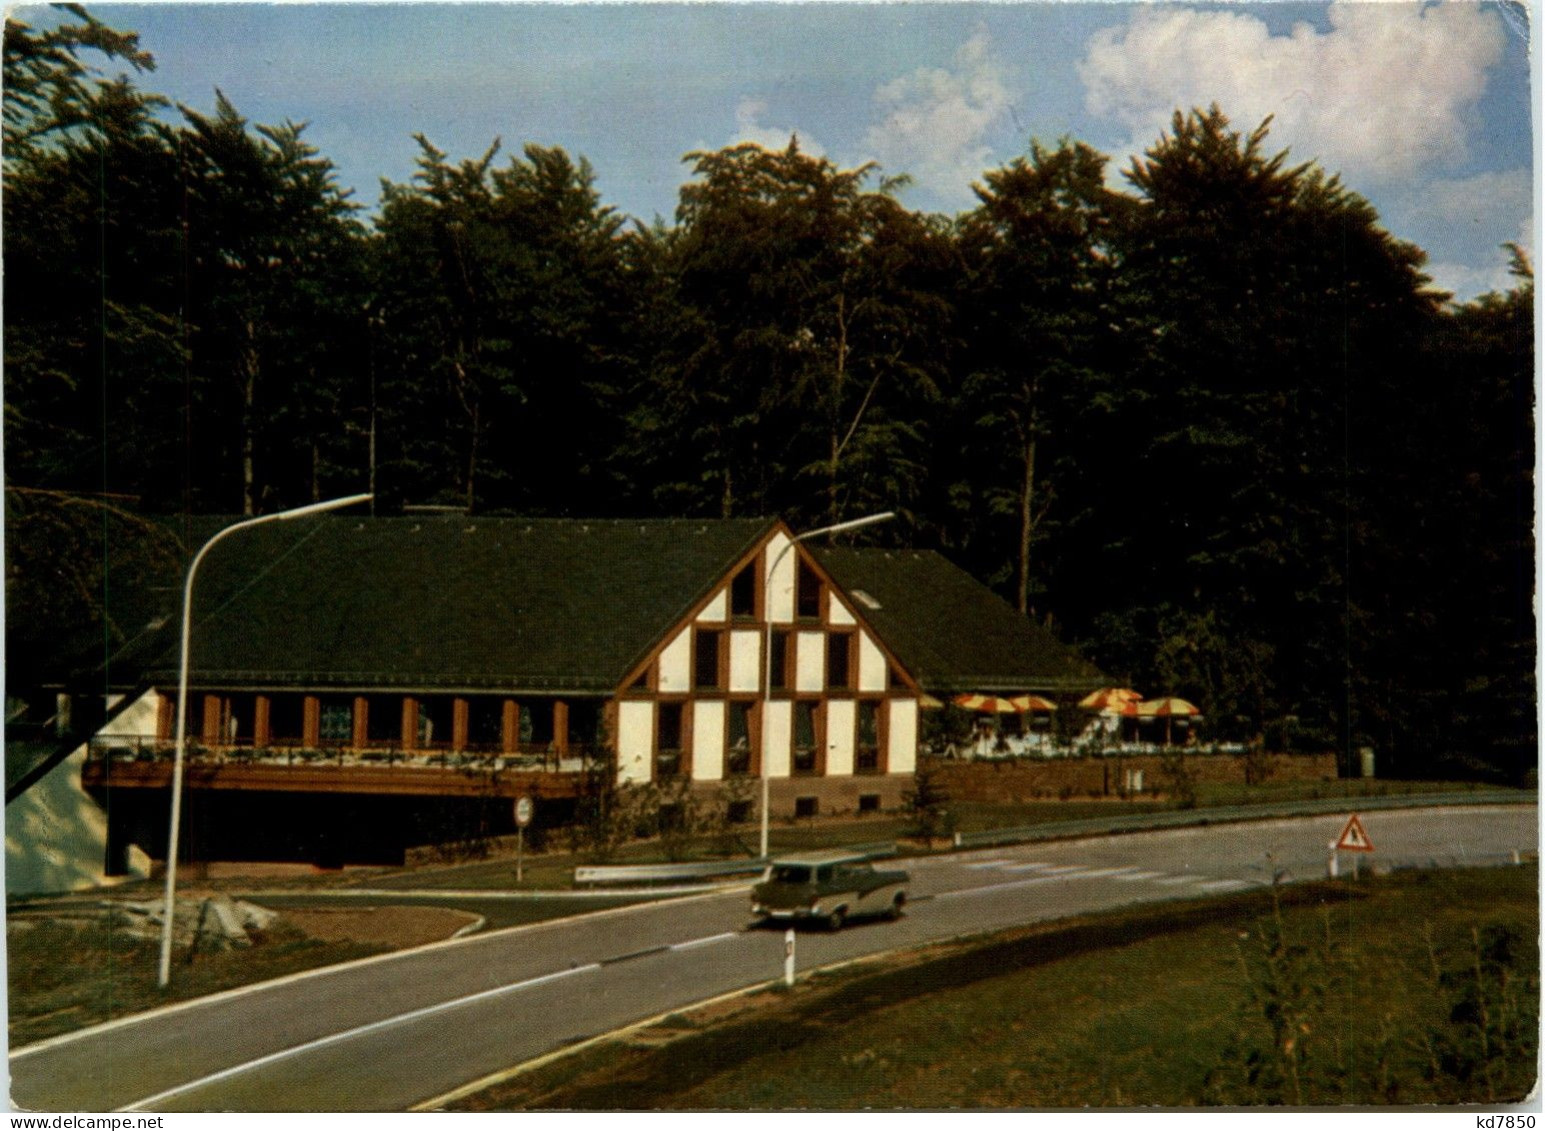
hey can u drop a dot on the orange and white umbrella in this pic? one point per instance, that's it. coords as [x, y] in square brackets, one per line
[1168, 707]
[1109, 699]
[991, 704]
[1033, 703]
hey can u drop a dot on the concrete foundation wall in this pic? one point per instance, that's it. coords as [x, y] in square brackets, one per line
[56, 834]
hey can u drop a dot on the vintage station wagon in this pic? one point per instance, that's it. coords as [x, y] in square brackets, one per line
[828, 887]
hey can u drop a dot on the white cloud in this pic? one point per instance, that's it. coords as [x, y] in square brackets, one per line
[935, 119]
[750, 127]
[1499, 205]
[1465, 282]
[1383, 94]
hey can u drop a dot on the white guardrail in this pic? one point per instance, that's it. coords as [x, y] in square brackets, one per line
[704, 869]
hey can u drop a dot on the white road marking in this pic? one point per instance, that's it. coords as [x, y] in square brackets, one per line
[1024, 868]
[1092, 872]
[995, 887]
[347, 1034]
[690, 943]
[1225, 885]
[990, 863]
[1062, 869]
[1175, 881]
[1133, 877]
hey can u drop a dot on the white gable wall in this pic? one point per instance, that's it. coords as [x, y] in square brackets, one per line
[780, 587]
[871, 664]
[746, 661]
[810, 662]
[840, 720]
[708, 740]
[776, 729]
[717, 609]
[676, 663]
[56, 834]
[635, 740]
[902, 755]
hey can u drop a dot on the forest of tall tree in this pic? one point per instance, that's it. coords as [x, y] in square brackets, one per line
[1215, 427]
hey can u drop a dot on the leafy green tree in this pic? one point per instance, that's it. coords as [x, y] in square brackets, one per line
[1260, 305]
[498, 290]
[808, 354]
[50, 93]
[1036, 279]
[269, 239]
[94, 350]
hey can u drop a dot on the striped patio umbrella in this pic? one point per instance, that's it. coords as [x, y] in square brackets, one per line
[1033, 703]
[1168, 709]
[1114, 699]
[991, 704]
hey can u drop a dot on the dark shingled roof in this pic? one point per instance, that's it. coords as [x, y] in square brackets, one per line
[952, 632]
[449, 602]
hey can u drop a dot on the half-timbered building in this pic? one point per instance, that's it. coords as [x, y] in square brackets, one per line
[359, 685]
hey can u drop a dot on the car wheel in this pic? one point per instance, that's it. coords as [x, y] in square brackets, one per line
[894, 911]
[835, 920]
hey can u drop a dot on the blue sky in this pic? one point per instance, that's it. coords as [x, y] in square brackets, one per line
[1423, 108]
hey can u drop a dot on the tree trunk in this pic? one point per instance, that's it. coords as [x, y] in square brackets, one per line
[472, 455]
[248, 365]
[1026, 523]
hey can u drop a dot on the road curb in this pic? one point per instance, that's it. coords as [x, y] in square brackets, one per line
[317, 972]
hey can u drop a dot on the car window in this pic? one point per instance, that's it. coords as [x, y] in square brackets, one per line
[823, 875]
[791, 874]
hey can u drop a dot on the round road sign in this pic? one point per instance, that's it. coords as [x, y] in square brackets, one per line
[523, 809]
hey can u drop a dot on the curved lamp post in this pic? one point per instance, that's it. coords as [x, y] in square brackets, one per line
[851, 524]
[165, 973]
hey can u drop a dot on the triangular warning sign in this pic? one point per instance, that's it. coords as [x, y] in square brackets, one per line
[1354, 838]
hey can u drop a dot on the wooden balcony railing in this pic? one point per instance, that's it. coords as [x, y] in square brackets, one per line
[527, 756]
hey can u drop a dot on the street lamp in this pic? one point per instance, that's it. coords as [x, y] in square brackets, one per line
[165, 973]
[851, 524]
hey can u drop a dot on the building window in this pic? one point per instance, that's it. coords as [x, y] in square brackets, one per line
[743, 592]
[286, 720]
[868, 802]
[434, 722]
[485, 723]
[586, 722]
[809, 605]
[536, 726]
[805, 737]
[778, 662]
[709, 645]
[866, 757]
[739, 812]
[667, 758]
[839, 660]
[336, 720]
[737, 749]
[806, 806]
[383, 720]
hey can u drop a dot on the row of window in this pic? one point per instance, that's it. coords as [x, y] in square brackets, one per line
[742, 739]
[745, 595]
[710, 661]
[486, 723]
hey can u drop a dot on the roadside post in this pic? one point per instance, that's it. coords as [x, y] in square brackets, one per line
[523, 810]
[1353, 838]
[788, 957]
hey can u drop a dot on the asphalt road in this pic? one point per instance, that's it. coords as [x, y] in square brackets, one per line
[389, 1033]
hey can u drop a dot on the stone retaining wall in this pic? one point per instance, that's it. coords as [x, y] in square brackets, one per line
[1010, 780]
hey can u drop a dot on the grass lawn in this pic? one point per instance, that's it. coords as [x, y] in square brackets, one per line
[1419, 987]
[68, 975]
